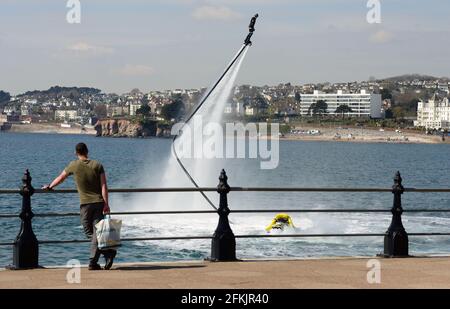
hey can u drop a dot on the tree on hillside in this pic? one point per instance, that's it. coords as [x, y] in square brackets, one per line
[411, 106]
[297, 97]
[386, 94]
[4, 98]
[408, 102]
[100, 111]
[173, 110]
[318, 108]
[144, 110]
[388, 114]
[343, 109]
[398, 112]
[260, 102]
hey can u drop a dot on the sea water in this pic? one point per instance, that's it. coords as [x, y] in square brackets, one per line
[133, 163]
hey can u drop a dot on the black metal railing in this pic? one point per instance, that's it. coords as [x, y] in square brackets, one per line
[223, 246]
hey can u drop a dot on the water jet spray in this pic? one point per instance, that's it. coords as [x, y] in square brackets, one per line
[246, 44]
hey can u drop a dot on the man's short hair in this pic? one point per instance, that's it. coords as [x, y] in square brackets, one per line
[81, 149]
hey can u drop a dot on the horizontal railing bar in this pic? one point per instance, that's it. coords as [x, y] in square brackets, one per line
[237, 236]
[427, 190]
[334, 210]
[75, 214]
[236, 189]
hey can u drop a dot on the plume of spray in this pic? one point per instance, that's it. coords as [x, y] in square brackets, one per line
[202, 170]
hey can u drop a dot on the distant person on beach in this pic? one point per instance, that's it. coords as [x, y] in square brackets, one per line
[93, 191]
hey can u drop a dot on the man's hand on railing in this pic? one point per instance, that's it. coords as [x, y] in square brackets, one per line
[47, 188]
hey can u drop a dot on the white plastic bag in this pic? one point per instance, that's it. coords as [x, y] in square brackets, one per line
[108, 233]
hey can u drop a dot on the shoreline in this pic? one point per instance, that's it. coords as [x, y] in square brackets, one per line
[366, 135]
[47, 129]
[329, 134]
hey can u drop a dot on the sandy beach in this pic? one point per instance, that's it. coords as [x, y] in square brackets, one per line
[49, 129]
[364, 135]
[335, 134]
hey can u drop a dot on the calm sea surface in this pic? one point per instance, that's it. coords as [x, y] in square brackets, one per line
[143, 163]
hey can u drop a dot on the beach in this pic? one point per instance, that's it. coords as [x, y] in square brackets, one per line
[49, 128]
[303, 133]
[365, 135]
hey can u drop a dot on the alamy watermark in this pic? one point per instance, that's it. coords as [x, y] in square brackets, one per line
[254, 141]
[374, 274]
[73, 16]
[73, 275]
[374, 14]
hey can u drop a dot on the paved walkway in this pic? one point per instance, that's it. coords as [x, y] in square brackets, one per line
[312, 273]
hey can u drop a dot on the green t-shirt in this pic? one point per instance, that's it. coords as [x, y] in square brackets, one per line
[87, 177]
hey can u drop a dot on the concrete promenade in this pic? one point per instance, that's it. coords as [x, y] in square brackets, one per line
[418, 272]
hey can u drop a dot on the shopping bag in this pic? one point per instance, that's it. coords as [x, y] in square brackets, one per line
[108, 233]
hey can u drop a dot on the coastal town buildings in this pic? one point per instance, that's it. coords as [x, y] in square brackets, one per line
[134, 106]
[235, 108]
[3, 118]
[393, 98]
[116, 110]
[362, 104]
[433, 114]
[25, 110]
[66, 115]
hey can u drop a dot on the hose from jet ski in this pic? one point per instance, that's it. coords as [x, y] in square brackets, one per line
[247, 43]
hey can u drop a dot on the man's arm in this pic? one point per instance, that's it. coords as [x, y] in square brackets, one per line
[58, 180]
[105, 193]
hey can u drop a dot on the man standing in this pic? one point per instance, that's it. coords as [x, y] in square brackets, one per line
[93, 191]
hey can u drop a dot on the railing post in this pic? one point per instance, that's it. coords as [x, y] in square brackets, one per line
[26, 248]
[396, 238]
[223, 245]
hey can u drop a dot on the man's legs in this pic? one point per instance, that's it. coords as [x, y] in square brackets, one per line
[109, 254]
[90, 215]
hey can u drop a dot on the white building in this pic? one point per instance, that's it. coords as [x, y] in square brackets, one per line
[31, 101]
[114, 111]
[9, 110]
[251, 110]
[235, 108]
[434, 114]
[229, 108]
[363, 104]
[25, 110]
[133, 108]
[443, 87]
[67, 115]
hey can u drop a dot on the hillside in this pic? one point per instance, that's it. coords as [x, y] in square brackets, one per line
[57, 91]
[412, 77]
[4, 98]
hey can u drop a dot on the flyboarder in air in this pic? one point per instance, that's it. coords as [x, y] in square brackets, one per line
[251, 29]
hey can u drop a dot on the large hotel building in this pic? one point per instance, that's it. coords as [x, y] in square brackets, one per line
[362, 104]
[434, 114]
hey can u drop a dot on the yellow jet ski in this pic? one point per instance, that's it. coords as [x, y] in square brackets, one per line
[280, 222]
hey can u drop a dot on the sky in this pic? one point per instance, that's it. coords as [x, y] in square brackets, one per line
[168, 44]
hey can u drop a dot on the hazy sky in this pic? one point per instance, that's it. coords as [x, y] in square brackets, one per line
[166, 44]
